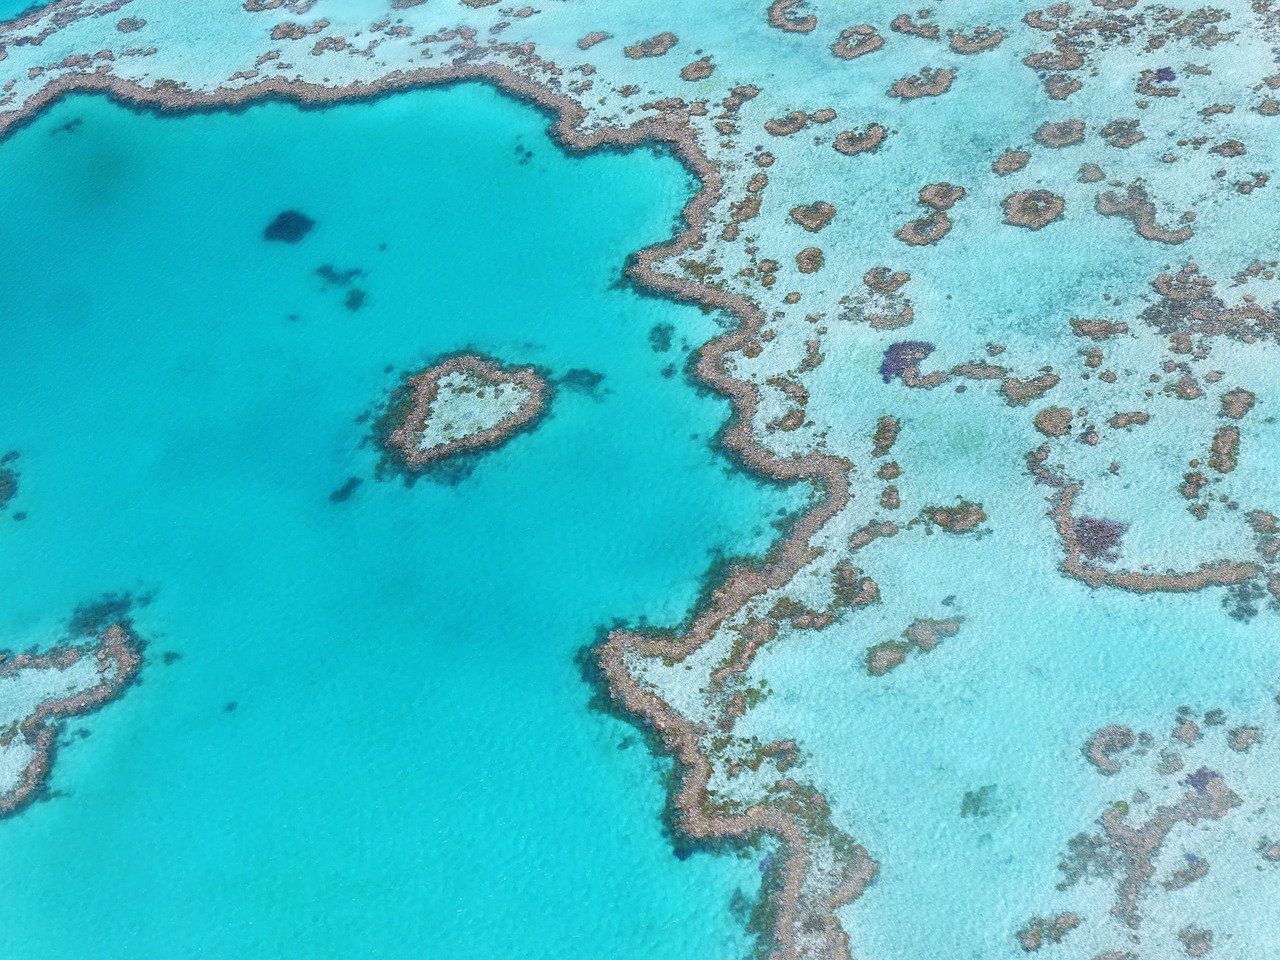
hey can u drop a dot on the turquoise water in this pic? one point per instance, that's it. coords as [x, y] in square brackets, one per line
[9, 9]
[411, 767]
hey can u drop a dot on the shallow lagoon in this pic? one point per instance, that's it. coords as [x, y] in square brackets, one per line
[410, 765]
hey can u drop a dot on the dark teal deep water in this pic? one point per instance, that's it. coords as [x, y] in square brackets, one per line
[411, 767]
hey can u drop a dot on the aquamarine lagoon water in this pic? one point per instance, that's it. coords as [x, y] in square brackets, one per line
[375, 738]
[1003, 280]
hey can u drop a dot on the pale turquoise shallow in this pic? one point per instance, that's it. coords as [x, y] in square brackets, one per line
[412, 767]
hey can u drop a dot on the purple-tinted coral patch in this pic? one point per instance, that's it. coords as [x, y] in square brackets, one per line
[1200, 779]
[1099, 539]
[902, 356]
[1166, 75]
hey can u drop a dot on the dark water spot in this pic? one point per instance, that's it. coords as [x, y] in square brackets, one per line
[355, 300]
[977, 803]
[170, 657]
[335, 277]
[83, 733]
[230, 707]
[682, 852]
[1166, 75]
[1242, 600]
[8, 485]
[382, 248]
[949, 599]
[669, 371]
[627, 742]
[94, 616]
[9, 457]
[583, 381]
[71, 126]
[660, 337]
[20, 515]
[293, 317]
[288, 227]
[344, 492]
[902, 356]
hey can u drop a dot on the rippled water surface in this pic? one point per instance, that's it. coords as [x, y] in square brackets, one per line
[371, 737]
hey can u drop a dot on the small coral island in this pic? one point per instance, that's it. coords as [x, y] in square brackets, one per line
[464, 404]
[38, 691]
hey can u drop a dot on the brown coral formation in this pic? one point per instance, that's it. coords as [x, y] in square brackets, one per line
[941, 196]
[809, 260]
[119, 657]
[1133, 418]
[922, 636]
[1224, 449]
[655, 46]
[886, 281]
[885, 437]
[1136, 207]
[1237, 403]
[1059, 86]
[813, 216]
[925, 635]
[785, 15]
[982, 38]
[1033, 209]
[1040, 931]
[852, 142]
[1097, 330]
[793, 122]
[964, 517]
[412, 413]
[1102, 747]
[1122, 134]
[697, 70]
[1208, 799]
[1241, 739]
[925, 230]
[1053, 421]
[1189, 307]
[1064, 133]
[927, 83]
[1018, 391]
[1011, 161]
[1078, 563]
[903, 23]
[857, 41]
[886, 656]
[1063, 56]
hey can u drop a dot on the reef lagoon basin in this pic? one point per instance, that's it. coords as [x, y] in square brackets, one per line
[793, 480]
[362, 725]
